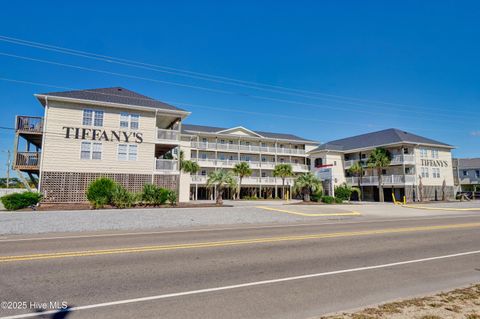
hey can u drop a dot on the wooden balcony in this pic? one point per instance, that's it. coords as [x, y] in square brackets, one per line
[27, 161]
[30, 124]
[30, 128]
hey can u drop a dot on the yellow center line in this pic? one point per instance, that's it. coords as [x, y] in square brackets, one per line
[352, 213]
[4, 259]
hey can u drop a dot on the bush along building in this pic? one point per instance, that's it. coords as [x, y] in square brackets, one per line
[417, 167]
[136, 140]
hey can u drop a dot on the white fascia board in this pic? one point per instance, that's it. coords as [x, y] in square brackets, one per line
[182, 114]
[239, 128]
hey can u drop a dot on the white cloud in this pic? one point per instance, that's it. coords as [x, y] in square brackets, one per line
[475, 133]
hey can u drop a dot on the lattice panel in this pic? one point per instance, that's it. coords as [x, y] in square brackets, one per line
[429, 193]
[166, 181]
[70, 187]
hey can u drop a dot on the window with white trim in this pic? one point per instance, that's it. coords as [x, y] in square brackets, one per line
[434, 153]
[91, 151]
[127, 152]
[124, 120]
[122, 152]
[129, 120]
[92, 117]
[87, 117]
[424, 172]
[423, 152]
[436, 172]
[96, 151]
[132, 152]
[85, 150]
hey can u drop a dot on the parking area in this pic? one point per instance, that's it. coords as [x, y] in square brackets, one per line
[241, 213]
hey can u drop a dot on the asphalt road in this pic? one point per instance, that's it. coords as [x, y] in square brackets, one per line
[295, 271]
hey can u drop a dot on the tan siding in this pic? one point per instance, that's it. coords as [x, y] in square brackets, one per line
[62, 154]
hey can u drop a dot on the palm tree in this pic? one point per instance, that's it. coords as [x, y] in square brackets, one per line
[221, 179]
[306, 184]
[378, 160]
[357, 170]
[242, 170]
[283, 171]
[190, 167]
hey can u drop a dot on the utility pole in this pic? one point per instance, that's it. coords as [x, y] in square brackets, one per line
[9, 164]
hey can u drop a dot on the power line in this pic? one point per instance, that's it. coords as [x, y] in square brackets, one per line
[205, 76]
[220, 91]
[232, 110]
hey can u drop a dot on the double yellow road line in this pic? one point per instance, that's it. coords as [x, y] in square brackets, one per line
[351, 213]
[226, 243]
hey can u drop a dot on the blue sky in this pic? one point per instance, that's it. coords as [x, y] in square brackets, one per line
[366, 65]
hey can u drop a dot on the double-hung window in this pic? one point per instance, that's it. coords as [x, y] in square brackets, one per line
[424, 172]
[128, 120]
[87, 117]
[91, 151]
[434, 153]
[477, 173]
[124, 120]
[127, 152]
[92, 117]
[436, 172]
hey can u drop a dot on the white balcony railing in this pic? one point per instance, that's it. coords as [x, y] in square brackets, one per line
[403, 159]
[227, 163]
[166, 165]
[395, 160]
[168, 135]
[386, 180]
[250, 180]
[246, 148]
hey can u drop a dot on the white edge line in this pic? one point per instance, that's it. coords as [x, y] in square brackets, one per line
[173, 231]
[248, 284]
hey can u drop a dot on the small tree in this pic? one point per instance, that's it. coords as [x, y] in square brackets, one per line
[283, 171]
[100, 191]
[242, 170]
[444, 190]
[378, 160]
[221, 179]
[306, 184]
[190, 167]
[420, 189]
[357, 170]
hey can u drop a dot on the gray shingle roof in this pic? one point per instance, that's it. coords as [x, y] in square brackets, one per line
[114, 95]
[468, 163]
[375, 139]
[190, 128]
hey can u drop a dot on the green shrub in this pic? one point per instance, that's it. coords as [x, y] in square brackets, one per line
[343, 192]
[328, 199]
[172, 198]
[122, 198]
[99, 192]
[317, 196]
[154, 195]
[20, 200]
[338, 200]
